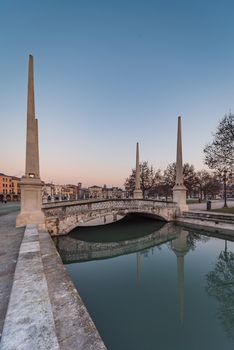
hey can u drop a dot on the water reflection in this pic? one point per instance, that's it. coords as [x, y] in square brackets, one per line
[141, 295]
[220, 285]
[72, 249]
[181, 246]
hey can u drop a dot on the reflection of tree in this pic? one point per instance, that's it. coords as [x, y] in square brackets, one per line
[146, 252]
[192, 239]
[220, 284]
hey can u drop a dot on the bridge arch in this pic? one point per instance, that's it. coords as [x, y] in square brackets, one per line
[116, 217]
[61, 218]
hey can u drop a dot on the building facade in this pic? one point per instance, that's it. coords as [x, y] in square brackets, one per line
[9, 188]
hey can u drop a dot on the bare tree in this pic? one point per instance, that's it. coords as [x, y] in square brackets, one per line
[169, 177]
[207, 184]
[219, 154]
[147, 175]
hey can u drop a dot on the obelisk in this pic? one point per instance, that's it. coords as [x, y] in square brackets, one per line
[31, 184]
[179, 190]
[137, 193]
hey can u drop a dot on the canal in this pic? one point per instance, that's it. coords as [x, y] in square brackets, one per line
[149, 285]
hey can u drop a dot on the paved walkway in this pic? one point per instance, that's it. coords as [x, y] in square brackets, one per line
[214, 205]
[29, 322]
[10, 238]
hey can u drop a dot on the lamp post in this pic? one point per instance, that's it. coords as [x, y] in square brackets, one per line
[225, 188]
[225, 177]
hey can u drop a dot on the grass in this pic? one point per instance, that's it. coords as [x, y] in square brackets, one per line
[224, 210]
[192, 201]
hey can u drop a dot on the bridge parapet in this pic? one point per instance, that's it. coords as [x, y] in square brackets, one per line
[62, 217]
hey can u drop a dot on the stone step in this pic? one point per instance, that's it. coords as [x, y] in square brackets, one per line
[208, 216]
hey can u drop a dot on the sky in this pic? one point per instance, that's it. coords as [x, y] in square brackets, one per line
[108, 74]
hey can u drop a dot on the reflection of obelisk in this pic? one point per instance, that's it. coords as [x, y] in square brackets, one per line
[138, 257]
[137, 193]
[180, 248]
[31, 184]
[179, 190]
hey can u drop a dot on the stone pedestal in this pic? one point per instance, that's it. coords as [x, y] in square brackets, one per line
[179, 196]
[137, 194]
[31, 202]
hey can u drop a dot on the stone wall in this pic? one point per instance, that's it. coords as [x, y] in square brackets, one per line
[45, 309]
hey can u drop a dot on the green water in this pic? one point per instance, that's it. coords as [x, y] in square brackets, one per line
[177, 295]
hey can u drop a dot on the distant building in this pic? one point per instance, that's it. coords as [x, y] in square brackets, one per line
[82, 193]
[58, 192]
[9, 187]
[112, 192]
[95, 192]
[106, 192]
[15, 185]
[52, 192]
[69, 192]
[48, 192]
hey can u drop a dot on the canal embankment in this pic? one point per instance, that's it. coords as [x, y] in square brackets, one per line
[11, 238]
[198, 216]
[40, 307]
[209, 220]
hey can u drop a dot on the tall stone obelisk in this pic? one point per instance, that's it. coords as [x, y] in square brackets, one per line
[31, 184]
[179, 190]
[137, 193]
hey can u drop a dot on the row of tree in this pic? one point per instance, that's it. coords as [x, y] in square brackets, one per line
[219, 156]
[158, 183]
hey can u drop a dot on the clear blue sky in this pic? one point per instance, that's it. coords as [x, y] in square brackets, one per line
[109, 73]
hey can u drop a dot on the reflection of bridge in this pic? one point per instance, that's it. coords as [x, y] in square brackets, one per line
[61, 218]
[74, 250]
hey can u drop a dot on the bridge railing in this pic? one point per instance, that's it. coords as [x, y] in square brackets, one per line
[71, 208]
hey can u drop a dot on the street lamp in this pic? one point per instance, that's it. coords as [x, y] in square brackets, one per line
[225, 187]
[226, 176]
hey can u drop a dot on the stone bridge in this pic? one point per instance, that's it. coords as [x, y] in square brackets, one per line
[62, 217]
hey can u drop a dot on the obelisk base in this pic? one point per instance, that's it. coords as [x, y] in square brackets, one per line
[179, 196]
[137, 194]
[31, 202]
